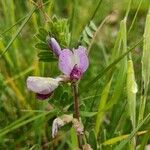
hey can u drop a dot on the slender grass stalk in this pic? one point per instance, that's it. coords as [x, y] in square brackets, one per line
[121, 71]
[20, 75]
[15, 126]
[124, 142]
[20, 29]
[95, 34]
[128, 9]
[120, 138]
[7, 57]
[14, 30]
[19, 95]
[145, 140]
[72, 21]
[131, 26]
[113, 64]
[96, 9]
[18, 32]
[16, 122]
[16, 23]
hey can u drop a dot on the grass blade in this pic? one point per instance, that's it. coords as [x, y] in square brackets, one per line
[22, 123]
[131, 96]
[123, 143]
[18, 31]
[101, 107]
[145, 66]
[116, 61]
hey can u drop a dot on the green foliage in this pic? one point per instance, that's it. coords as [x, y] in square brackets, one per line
[58, 29]
[92, 139]
[109, 104]
[88, 33]
[145, 66]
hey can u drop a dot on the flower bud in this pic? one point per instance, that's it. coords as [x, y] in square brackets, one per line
[53, 44]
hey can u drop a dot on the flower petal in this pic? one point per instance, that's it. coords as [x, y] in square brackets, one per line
[66, 61]
[42, 96]
[81, 58]
[54, 45]
[76, 73]
[42, 85]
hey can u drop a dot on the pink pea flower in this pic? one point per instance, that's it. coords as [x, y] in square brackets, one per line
[43, 87]
[72, 63]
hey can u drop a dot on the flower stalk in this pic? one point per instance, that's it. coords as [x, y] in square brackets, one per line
[76, 108]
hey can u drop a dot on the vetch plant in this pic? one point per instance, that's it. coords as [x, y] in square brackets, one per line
[73, 64]
[43, 87]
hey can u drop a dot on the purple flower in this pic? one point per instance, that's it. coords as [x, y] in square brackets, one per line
[52, 43]
[43, 87]
[73, 63]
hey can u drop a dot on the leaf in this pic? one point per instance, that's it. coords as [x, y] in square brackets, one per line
[131, 93]
[116, 61]
[119, 138]
[92, 140]
[131, 97]
[42, 34]
[64, 99]
[59, 29]
[145, 66]
[87, 114]
[85, 38]
[48, 59]
[18, 31]
[42, 46]
[41, 37]
[124, 142]
[122, 68]
[74, 139]
[102, 104]
[45, 53]
[92, 26]
[89, 32]
[14, 126]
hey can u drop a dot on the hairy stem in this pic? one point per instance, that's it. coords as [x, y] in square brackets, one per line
[76, 108]
[76, 100]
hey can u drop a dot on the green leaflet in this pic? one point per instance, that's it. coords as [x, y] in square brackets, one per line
[57, 29]
[42, 46]
[88, 33]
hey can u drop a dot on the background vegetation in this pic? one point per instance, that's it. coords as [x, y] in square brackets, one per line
[114, 93]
